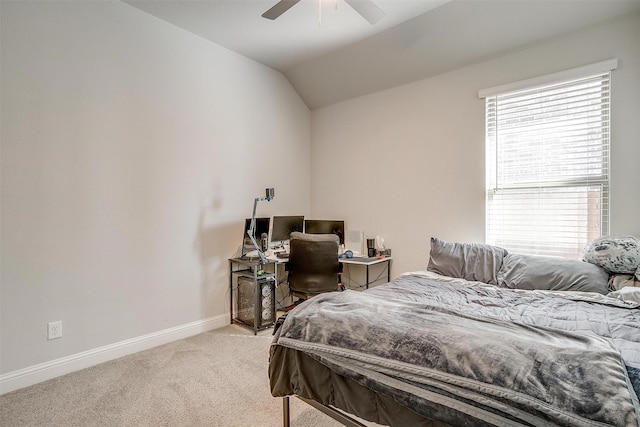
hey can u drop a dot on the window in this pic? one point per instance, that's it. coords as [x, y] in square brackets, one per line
[548, 164]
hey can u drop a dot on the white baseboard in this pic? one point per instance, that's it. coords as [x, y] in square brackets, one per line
[64, 365]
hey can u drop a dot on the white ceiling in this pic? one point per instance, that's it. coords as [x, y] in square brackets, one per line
[329, 53]
[302, 33]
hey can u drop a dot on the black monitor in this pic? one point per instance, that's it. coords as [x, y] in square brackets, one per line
[262, 226]
[283, 226]
[324, 226]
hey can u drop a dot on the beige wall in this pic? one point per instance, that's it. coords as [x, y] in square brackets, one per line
[408, 163]
[132, 151]
[131, 154]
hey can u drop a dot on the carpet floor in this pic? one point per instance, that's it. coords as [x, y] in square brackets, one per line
[218, 378]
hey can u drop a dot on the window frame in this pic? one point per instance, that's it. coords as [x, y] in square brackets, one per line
[544, 85]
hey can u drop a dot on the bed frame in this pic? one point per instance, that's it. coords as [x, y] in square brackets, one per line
[333, 413]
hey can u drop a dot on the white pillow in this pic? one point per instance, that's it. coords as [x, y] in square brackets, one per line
[628, 293]
[619, 281]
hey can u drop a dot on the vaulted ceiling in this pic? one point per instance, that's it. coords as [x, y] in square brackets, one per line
[330, 53]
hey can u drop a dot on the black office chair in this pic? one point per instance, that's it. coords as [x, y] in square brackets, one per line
[313, 264]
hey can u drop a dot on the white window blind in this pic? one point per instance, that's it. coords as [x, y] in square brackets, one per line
[548, 166]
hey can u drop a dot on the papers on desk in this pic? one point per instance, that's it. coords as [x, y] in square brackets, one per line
[278, 256]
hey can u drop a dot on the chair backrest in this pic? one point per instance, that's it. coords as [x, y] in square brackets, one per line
[313, 262]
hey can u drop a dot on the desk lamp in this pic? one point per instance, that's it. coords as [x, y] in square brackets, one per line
[269, 194]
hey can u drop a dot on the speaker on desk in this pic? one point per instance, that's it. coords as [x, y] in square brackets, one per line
[354, 242]
[265, 310]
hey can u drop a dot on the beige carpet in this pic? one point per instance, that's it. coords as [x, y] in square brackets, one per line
[218, 378]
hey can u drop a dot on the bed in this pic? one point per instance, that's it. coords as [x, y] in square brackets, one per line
[480, 338]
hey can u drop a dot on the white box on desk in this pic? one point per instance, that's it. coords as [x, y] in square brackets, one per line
[354, 242]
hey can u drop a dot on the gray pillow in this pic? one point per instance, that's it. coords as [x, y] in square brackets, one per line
[470, 261]
[556, 274]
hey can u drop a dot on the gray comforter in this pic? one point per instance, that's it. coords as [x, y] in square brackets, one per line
[477, 355]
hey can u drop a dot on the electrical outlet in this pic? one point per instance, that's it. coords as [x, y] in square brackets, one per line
[54, 330]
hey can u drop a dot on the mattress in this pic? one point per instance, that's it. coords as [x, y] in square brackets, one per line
[427, 350]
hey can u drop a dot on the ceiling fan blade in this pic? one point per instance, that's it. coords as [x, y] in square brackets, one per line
[281, 7]
[367, 9]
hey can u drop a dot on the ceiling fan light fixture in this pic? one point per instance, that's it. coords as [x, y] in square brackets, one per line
[365, 8]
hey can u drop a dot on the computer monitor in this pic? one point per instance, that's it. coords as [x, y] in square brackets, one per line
[262, 226]
[283, 226]
[324, 226]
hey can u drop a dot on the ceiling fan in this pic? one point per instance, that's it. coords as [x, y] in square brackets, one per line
[366, 8]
